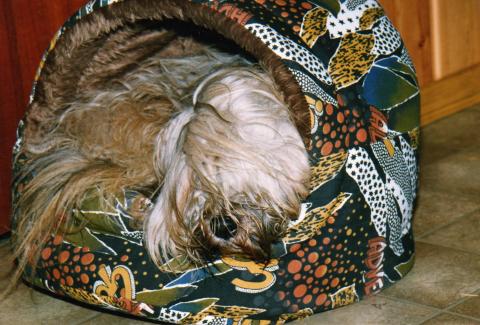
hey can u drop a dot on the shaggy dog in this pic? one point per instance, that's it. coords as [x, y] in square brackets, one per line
[205, 133]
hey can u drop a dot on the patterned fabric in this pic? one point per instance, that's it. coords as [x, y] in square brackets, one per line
[353, 237]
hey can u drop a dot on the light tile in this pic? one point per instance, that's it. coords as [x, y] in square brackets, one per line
[470, 307]
[440, 276]
[457, 174]
[113, 319]
[376, 310]
[463, 234]
[450, 135]
[438, 209]
[26, 306]
[449, 319]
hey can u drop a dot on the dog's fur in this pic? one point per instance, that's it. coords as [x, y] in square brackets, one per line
[209, 129]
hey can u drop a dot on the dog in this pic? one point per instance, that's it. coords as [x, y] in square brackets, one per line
[206, 133]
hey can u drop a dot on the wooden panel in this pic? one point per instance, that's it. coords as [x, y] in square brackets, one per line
[412, 19]
[456, 35]
[449, 95]
[26, 28]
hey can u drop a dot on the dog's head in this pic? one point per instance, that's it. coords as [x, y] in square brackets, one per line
[235, 169]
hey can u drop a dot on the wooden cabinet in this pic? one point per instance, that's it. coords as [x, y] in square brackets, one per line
[26, 28]
[443, 37]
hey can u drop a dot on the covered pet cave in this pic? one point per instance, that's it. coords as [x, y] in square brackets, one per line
[353, 95]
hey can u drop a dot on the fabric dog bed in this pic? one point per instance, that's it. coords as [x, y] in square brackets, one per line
[354, 97]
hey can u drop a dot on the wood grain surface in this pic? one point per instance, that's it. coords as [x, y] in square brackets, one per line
[412, 19]
[455, 35]
[26, 28]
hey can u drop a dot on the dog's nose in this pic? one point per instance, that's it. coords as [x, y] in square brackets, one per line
[223, 227]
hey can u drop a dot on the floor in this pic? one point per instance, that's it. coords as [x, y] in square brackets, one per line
[442, 288]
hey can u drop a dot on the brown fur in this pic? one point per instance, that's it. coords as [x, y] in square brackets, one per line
[100, 49]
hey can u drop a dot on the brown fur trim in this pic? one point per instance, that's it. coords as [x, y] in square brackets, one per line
[81, 49]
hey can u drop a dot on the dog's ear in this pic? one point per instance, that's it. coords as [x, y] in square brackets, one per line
[168, 227]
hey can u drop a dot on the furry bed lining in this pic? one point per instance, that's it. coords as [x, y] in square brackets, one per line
[87, 54]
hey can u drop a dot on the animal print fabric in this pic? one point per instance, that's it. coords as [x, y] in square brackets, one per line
[353, 236]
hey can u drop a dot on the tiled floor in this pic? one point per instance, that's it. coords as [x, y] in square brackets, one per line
[442, 288]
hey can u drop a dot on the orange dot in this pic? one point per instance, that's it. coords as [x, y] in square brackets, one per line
[85, 249]
[280, 296]
[326, 241]
[69, 280]
[329, 109]
[307, 299]
[339, 247]
[76, 258]
[309, 280]
[300, 253]
[333, 134]
[92, 267]
[315, 290]
[307, 268]
[347, 140]
[84, 278]
[87, 259]
[312, 242]
[57, 240]
[325, 282]
[334, 263]
[334, 282]
[46, 252]
[321, 271]
[62, 281]
[338, 143]
[321, 299]
[326, 148]
[56, 274]
[362, 135]
[340, 101]
[66, 269]
[328, 260]
[340, 117]
[297, 276]
[77, 268]
[330, 220]
[326, 128]
[281, 2]
[63, 256]
[351, 268]
[294, 266]
[312, 257]
[294, 248]
[124, 258]
[284, 14]
[77, 249]
[341, 269]
[300, 291]
[260, 1]
[306, 5]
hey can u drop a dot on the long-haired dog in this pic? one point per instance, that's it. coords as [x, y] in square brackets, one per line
[207, 131]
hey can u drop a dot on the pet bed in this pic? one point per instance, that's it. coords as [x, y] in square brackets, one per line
[354, 97]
